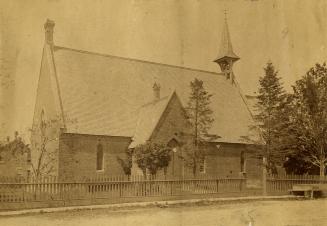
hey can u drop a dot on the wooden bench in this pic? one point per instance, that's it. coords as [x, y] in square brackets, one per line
[307, 189]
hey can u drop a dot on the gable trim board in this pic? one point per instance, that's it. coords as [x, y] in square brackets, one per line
[57, 85]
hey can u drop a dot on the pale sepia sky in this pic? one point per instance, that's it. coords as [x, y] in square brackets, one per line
[291, 34]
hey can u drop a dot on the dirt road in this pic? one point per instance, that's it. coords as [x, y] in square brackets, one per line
[263, 213]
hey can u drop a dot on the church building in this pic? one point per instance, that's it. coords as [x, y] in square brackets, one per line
[91, 108]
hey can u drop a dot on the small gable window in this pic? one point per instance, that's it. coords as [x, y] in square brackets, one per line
[99, 157]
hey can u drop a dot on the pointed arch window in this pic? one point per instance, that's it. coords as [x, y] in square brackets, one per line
[99, 157]
[174, 146]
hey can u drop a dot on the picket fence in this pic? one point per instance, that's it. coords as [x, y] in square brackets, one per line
[50, 189]
[282, 184]
[121, 188]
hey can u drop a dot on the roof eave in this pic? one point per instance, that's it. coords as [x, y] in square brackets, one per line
[234, 58]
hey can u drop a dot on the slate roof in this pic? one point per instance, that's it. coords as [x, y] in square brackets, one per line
[148, 117]
[104, 95]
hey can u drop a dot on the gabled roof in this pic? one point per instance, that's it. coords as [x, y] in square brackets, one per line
[226, 48]
[102, 95]
[148, 118]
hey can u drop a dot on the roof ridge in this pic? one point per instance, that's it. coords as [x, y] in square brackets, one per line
[133, 59]
[154, 101]
[162, 111]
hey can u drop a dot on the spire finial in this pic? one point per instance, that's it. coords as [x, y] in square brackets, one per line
[48, 27]
[156, 90]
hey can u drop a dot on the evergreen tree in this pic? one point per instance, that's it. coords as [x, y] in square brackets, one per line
[271, 102]
[200, 116]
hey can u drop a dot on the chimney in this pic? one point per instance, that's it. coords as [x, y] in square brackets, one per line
[156, 91]
[48, 28]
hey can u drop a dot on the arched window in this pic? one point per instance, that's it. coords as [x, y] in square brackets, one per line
[99, 157]
[173, 146]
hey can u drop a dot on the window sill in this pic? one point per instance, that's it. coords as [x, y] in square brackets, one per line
[100, 171]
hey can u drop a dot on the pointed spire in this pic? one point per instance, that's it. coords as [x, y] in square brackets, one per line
[226, 48]
[226, 56]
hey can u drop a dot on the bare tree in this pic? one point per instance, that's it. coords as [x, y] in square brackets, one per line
[45, 146]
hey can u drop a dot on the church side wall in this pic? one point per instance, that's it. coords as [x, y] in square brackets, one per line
[78, 156]
[224, 160]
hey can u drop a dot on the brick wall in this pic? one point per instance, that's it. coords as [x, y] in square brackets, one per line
[172, 123]
[224, 160]
[78, 155]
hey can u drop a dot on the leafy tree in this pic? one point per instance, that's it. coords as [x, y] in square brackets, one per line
[152, 157]
[200, 116]
[271, 101]
[295, 164]
[17, 151]
[307, 134]
[15, 146]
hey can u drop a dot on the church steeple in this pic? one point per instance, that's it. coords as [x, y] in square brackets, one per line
[226, 56]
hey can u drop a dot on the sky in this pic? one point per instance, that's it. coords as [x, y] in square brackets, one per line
[291, 34]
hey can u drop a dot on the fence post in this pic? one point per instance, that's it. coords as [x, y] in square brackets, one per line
[120, 188]
[264, 176]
